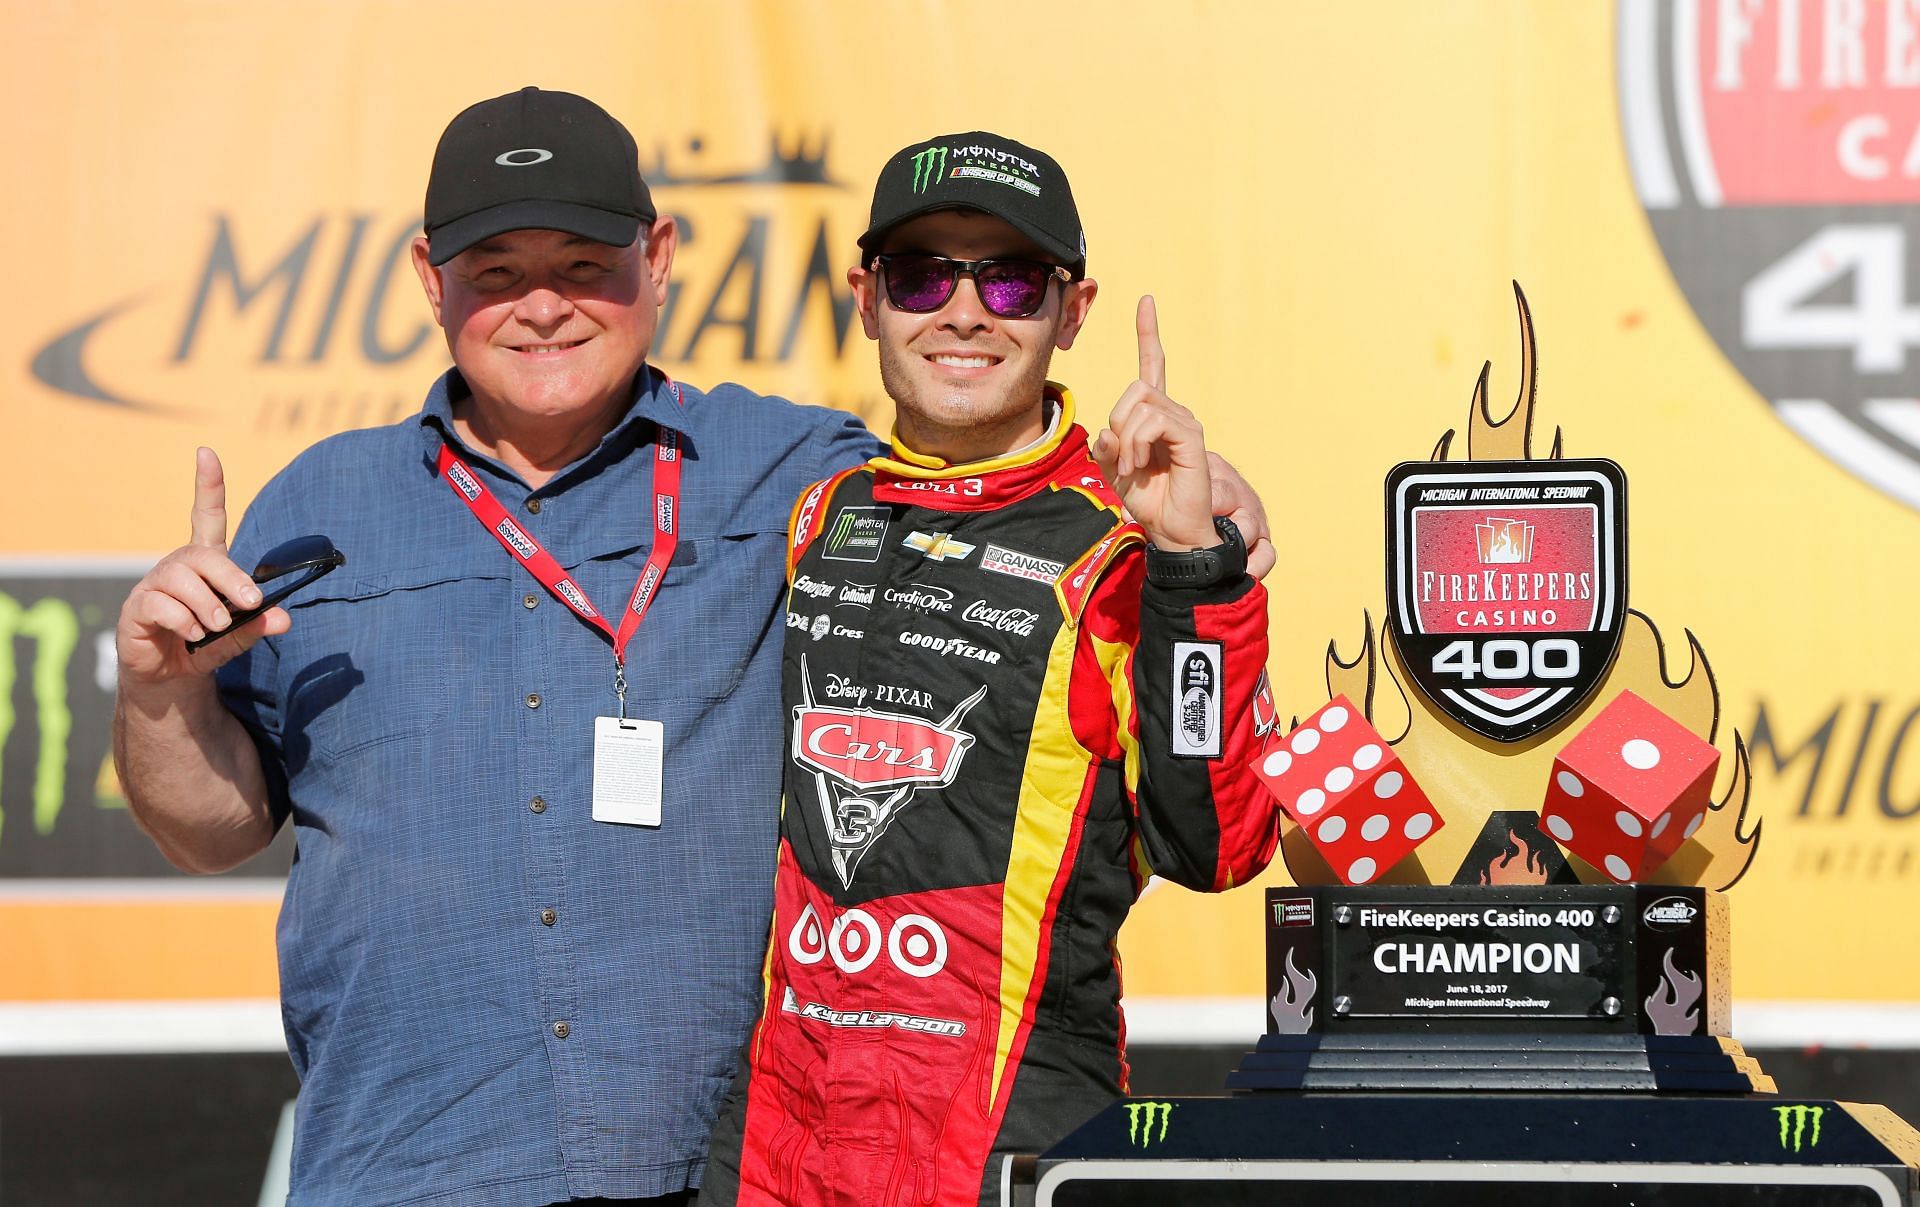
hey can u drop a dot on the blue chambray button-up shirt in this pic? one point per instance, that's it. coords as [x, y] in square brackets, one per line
[489, 996]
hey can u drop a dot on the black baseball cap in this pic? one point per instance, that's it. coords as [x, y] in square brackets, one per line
[534, 159]
[1013, 182]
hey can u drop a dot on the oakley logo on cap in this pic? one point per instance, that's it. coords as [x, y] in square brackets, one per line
[517, 158]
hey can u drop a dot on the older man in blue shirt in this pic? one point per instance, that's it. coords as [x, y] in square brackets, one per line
[490, 996]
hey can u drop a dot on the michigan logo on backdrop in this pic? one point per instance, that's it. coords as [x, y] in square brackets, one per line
[302, 320]
[1776, 147]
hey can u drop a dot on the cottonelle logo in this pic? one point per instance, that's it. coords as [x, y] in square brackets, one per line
[927, 168]
[310, 321]
[1775, 145]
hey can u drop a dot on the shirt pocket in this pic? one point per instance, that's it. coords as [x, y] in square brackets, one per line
[376, 657]
[719, 613]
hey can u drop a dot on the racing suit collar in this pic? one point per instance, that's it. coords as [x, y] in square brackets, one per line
[1058, 458]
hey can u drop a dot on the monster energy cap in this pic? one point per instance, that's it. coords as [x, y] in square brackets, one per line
[1013, 182]
[534, 160]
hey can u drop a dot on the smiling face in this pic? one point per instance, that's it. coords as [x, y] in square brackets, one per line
[966, 383]
[547, 325]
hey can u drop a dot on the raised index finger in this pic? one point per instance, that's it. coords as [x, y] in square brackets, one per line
[1153, 359]
[209, 501]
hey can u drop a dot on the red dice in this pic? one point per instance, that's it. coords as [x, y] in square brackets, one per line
[1629, 789]
[1340, 780]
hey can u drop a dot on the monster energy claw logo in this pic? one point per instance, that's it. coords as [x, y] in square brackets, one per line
[1794, 1121]
[1141, 1116]
[927, 167]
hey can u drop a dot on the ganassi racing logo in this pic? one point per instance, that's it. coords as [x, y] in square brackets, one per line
[866, 765]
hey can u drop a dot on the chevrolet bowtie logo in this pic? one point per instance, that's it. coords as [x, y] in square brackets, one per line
[938, 545]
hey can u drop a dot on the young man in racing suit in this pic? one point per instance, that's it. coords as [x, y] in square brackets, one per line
[1008, 707]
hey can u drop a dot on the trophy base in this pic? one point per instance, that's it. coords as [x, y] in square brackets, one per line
[1482, 1062]
[1450, 1150]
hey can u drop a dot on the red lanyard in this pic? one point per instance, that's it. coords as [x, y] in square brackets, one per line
[530, 553]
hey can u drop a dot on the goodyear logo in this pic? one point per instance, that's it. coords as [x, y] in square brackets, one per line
[1799, 1124]
[927, 167]
[1141, 1120]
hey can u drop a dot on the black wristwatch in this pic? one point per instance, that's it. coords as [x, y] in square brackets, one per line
[1201, 567]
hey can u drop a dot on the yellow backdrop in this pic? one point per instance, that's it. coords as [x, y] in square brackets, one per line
[207, 205]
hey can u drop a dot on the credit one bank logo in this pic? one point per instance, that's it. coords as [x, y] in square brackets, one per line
[759, 282]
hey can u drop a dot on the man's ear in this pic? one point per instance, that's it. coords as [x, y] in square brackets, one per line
[865, 283]
[1076, 298]
[662, 241]
[429, 277]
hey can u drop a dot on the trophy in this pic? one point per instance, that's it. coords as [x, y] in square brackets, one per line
[1505, 967]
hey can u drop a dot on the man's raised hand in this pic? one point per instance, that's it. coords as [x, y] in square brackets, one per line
[180, 599]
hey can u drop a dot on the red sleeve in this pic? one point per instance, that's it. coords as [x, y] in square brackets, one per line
[1184, 697]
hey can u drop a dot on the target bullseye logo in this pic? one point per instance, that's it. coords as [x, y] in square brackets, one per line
[915, 944]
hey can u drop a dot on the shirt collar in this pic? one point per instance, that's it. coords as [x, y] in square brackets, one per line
[656, 401]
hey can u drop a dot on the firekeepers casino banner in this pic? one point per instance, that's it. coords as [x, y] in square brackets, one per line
[1709, 204]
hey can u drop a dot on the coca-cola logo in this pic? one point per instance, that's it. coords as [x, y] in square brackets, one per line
[1018, 621]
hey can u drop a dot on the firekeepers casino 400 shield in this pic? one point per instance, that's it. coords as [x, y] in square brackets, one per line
[1507, 586]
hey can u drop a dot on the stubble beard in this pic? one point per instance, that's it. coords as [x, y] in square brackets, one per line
[957, 417]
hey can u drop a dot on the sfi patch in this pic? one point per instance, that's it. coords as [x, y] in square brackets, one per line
[1196, 700]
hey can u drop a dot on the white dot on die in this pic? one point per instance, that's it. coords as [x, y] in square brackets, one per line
[1339, 779]
[1277, 763]
[1367, 757]
[1560, 828]
[1418, 826]
[1375, 827]
[1304, 740]
[1618, 869]
[1570, 784]
[1333, 829]
[1659, 827]
[1641, 755]
[917, 946]
[1692, 826]
[1628, 823]
[1332, 719]
[1310, 801]
[1361, 871]
[1388, 784]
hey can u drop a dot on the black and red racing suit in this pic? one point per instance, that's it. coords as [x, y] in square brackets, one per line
[998, 730]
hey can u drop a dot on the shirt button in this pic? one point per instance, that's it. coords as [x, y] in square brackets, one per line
[533, 699]
[538, 804]
[533, 507]
[549, 917]
[561, 1030]
[531, 601]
